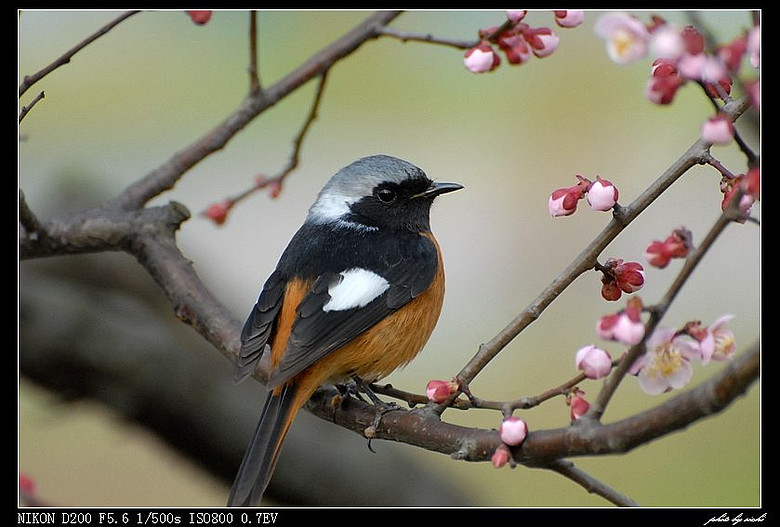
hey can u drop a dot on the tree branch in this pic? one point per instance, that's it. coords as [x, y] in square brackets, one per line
[587, 259]
[165, 176]
[29, 80]
[422, 427]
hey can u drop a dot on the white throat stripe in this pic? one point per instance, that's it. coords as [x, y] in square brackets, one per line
[357, 288]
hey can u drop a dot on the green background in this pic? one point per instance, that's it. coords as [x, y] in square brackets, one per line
[157, 83]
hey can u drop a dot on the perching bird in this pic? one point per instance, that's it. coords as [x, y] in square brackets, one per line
[355, 295]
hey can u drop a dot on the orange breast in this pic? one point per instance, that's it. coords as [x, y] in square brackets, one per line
[377, 352]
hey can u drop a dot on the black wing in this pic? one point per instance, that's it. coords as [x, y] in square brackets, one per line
[409, 264]
[259, 325]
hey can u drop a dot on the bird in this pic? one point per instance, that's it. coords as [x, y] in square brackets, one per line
[354, 296]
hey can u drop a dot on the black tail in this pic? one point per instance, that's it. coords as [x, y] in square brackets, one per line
[260, 458]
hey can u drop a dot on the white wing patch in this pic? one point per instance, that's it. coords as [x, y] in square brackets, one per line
[357, 288]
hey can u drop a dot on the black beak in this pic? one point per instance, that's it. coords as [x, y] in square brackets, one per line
[437, 188]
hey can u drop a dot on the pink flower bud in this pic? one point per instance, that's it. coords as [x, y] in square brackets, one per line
[579, 407]
[691, 66]
[440, 391]
[662, 89]
[630, 276]
[609, 289]
[481, 59]
[752, 182]
[200, 17]
[667, 43]
[718, 130]
[542, 40]
[26, 485]
[501, 456]
[602, 195]
[513, 431]
[594, 362]
[570, 18]
[515, 48]
[663, 68]
[625, 326]
[660, 253]
[218, 211]
[629, 328]
[516, 15]
[563, 201]
[693, 40]
[731, 54]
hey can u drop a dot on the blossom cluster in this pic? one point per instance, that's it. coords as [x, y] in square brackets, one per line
[601, 194]
[666, 363]
[620, 277]
[679, 57]
[519, 42]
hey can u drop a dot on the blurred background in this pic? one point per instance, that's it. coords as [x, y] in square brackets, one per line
[158, 82]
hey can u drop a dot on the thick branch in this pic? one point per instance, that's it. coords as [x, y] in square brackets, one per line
[422, 427]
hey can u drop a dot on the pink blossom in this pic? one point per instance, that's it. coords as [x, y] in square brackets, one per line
[481, 59]
[513, 431]
[439, 391]
[602, 195]
[715, 342]
[569, 18]
[718, 130]
[594, 362]
[693, 40]
[626, 37]
[666, 363]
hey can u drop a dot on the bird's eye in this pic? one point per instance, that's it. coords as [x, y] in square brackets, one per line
[385, 195]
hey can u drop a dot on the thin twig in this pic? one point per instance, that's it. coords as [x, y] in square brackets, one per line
[167, 175]
[589, 483]
[29, 80]
[407, 36]
[254, 75]
[262, 181]
[26, 109]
